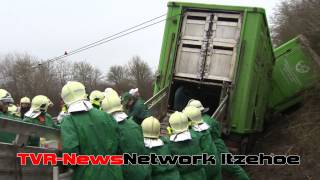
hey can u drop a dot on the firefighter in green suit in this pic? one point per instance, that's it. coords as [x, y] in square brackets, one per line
[159, 146]
[25, 105]
[88, 131]
[96, 98]
[5, 100]
[135, 107]
[235, 171]
[130, 134]
[202, 129]
[184, 142]
[38, 115]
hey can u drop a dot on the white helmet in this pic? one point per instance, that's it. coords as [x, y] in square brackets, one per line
[194, 114]
[178, 122]
[96, 97]
[112, 103]
[197, 104]
[40, 103]
[73, 92]
[109, 91]
[13, 109]
[151, 127]
[5, 96]
[25, 100]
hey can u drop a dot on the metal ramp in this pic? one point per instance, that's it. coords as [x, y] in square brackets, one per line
[157, 104]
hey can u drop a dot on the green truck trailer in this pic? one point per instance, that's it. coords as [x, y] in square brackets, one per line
[220, 55]
[296, 70]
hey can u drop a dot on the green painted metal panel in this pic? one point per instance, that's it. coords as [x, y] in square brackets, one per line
[296, 69]
[252, 88]
[252, 83]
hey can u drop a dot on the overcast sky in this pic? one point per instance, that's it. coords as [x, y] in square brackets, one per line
[47, 28]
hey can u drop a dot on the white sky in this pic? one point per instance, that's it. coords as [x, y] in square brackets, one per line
[47, 28]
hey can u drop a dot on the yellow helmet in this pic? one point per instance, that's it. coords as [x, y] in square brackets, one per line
[25, 100]
[194, 114]
[110, 91]
[13, 109]
[5, 96]
[40, 103]
[72, 92]
[96, 97]
[151, 127]
[49, 102]
[178, 122]
[197, 104]
[111, 103]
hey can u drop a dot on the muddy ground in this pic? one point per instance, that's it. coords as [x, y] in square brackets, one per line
[297, 132]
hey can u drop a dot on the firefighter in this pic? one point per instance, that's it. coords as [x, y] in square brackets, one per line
[158, 145]
[215, 127]
[234, 170]
[202, 129]
[37, 114]
[96, 98]
[88, 131]
[130, 139]
[135, 107]
[25, 104]
[184, 142]
[5, 100]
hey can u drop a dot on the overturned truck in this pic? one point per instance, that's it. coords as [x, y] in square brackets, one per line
[222, 56]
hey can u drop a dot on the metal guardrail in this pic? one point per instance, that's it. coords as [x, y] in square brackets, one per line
[28, 129]
[10, 168]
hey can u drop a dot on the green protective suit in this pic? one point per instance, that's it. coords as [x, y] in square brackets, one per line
[131, 141]
[213, 172]
[188, 147]
[33, 140]
[139, 111]
[163, 172]
[8, 137]
[235, 171]
[214, 126]
[91, 132]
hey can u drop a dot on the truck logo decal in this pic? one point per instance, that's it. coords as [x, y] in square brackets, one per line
[302, 67]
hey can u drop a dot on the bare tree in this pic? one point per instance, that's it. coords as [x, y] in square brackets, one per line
[21, 76]
[142, 76]
[18, 73]
[296, 17]
[62, 71]
[139, 70]
[117, 74]
[87, 74]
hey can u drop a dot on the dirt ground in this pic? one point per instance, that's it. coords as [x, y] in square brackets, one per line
[298, 133]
